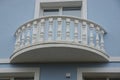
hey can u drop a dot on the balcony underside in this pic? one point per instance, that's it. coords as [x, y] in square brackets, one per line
[58, 52]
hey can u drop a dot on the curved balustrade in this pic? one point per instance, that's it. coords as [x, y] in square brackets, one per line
[61, 30]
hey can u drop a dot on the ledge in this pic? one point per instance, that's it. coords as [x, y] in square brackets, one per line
[58, 52]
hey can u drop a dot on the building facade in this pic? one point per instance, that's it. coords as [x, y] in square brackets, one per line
[59, 40]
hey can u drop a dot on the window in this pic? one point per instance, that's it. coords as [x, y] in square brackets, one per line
[18, 78]
[47, 12]
[114, 79]
[4, 79]
[24, 78]
[77, 8]
[101, 78]
[65, 11]
[19, 73]
[72, 11]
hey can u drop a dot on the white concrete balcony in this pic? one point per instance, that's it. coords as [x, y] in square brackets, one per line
[59, 39]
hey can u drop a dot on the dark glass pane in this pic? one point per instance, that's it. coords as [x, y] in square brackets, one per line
[48, 12]
[72, 11]
[114, 79]
[95, 79]
[4, 79]
[51, 10]
[71, 8]
[30, 78]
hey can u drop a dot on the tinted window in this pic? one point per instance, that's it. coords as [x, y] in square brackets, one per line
[72, 11]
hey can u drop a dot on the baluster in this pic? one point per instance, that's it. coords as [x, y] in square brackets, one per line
[102, 41]
[68, 29]
[97, 38]
[17, 43]
[91, 35]
[84, 33]
[59, 30]
[41, 28]
[34, 33]
[28, 35]
[50, 32]
[76, 30]
[23, 37]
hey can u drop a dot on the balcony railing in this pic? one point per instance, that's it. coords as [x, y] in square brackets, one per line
[60, 30]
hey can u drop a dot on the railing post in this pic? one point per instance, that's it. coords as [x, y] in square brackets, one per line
[50, 32]
[76, 30]
[41, 30]
[102, 41]
[68, 29]
[84, 33]
[28, 39]
[34, 32]
[97, 38]
[23, 37]
[18, 41]
[91, 43]
[59, 30]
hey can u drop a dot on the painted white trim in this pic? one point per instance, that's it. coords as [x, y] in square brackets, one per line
[36, 71]
[114, 59]
[37, 9]
[80, 71]
[84, 9]
[5, 60]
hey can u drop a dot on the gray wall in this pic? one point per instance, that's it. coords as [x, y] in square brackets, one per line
[107, 14]
[13, 13]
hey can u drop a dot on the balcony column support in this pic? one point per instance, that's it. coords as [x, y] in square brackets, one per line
[59, 30]
[23, 37]
[84, 33]
[68, 29]
[41, 29]
[102, 41]
[76, 30]
[28, 40]
[50, 32]
[91, 35]
[34, 32]
[97, 38]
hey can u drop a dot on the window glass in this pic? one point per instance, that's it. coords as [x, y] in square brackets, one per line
[114, 79]
[48, 12]
[95, 79]
[72, 11]
[4, 79]
[27, 78]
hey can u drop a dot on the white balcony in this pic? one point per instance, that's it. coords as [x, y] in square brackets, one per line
[59, 39]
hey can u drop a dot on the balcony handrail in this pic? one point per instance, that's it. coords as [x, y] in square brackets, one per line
[84, 32]
[72, 17]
